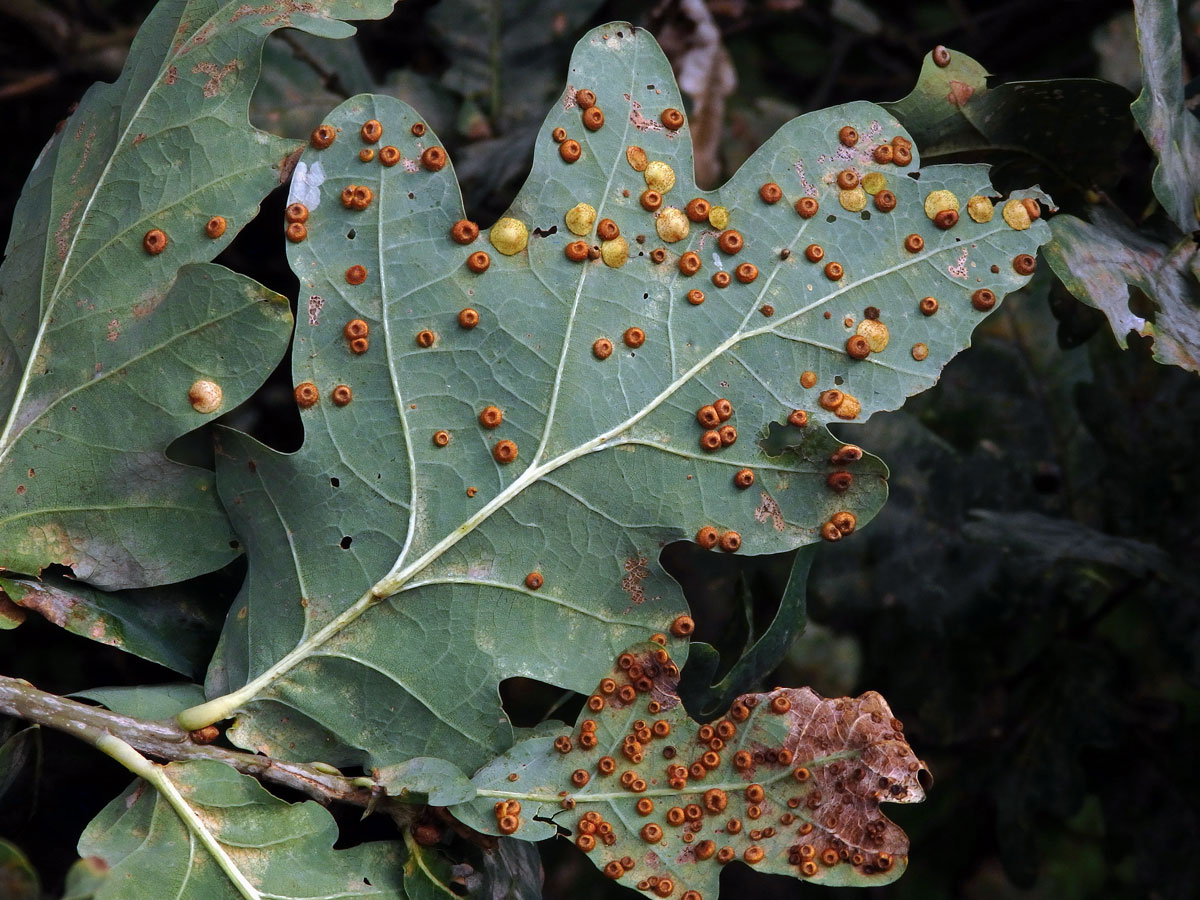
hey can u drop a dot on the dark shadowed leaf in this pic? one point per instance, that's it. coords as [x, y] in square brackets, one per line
[1171, 129]
[1068, 133]
[168, 627]
[1101, 261]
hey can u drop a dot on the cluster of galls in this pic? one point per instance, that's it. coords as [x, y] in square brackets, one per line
[712, 417]
[839, 481]
[508, 816]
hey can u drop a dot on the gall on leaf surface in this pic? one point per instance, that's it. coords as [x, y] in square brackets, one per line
[399, 494]
[100, 338]
[795, 775]
[276, 849]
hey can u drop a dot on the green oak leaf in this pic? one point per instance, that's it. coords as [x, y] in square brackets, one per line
[1169, 127]
[276, 849]
[425, 779]
[397, 575]
[102, 340]
[788, 782]
[144, 701]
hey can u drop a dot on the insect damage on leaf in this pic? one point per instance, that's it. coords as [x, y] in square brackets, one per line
[787, 781]
[533, 402]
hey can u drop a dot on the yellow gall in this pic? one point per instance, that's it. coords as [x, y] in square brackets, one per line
[980, 209]
[854, 200]
[659, 176]
[580, 218]
[940, 201]
[718, 217]
[636, 157]
[876, 333]
[509, 236]
[672, 225]
[614, 252]
[205, 396]
[1016, 215]
[874, 182]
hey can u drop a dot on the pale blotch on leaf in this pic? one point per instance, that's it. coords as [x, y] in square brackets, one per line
[509, 236]
[876, 333]
[718, 217]
[671, 225]
[939, 201]
[205, 396]
[615, 252]
[580, 218]
[1016, 215]
[980, 209]
[660, 176]
[636, 158]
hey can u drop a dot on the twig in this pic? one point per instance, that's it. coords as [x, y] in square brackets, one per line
[166, 740]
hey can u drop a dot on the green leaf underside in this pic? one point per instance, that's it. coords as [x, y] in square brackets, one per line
[100, 341]
[166, 627]
[1100, 261]
[1033, 124]
[610, 466]
[147, 701]
[426, 780]
[284, 850]
[847, 755]
[1170, 128]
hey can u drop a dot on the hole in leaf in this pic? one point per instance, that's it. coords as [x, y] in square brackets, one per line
[412, 196]
[346, 542]
[545, 232]
[915, 176]
[838, 379]
[831, 218]
[234, 545]
[866, 215]
[528, 702]
[351, 234]
[645, 296]
[335, 482]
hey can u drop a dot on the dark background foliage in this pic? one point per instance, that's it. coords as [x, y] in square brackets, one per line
[1028, 600]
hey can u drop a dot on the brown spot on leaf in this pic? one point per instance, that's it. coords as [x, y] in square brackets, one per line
[215, 75]
[960, 93]
[769, 509]
[635, 573]
[288, 163]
